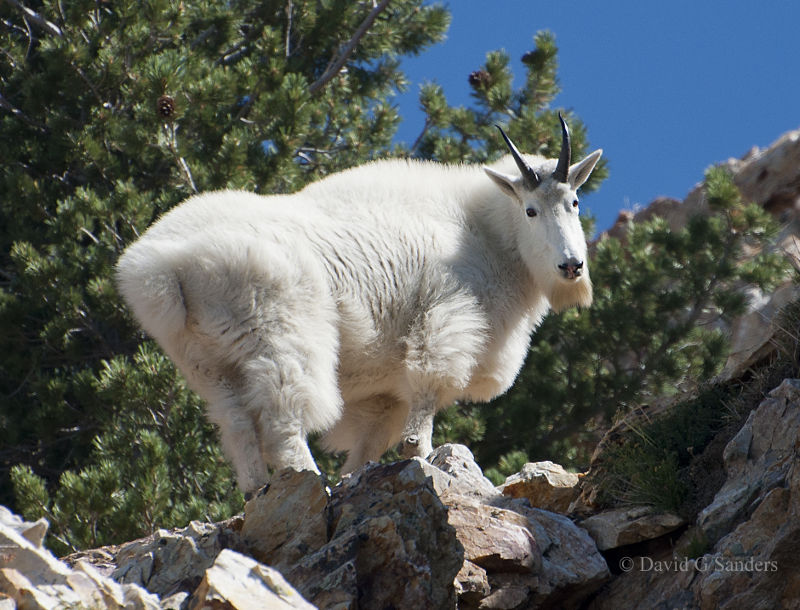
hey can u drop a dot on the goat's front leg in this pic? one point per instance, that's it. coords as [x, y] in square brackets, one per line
[417, 437]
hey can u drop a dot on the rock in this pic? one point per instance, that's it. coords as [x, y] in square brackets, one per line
[287, 519]
[495, 539]
[472, 584]
[390, 543]
[769, 177]
[545, 485]
[753, 333]
[623, 526]
[409, 534]
[174, 561]
[572, 567]
[237, 582]
[466, 477]
[509, 591]
[33, 532]
[752, 543]
[661, 588]
[757, 459]
[33, 578]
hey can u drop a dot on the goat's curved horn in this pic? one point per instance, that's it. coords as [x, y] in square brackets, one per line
[530, 177]
[562, 169]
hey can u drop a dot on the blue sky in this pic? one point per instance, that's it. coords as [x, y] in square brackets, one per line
[665, 88]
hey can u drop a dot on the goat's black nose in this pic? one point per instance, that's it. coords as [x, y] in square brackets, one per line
[572, 268]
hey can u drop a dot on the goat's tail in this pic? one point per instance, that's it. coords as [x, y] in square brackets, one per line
[148, 280]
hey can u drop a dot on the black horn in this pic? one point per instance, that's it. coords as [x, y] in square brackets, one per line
[530, 177]
[562, 169]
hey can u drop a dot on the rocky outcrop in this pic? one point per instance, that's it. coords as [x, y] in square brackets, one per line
[413, 534]
[757, 460]
[31, 577]
[410, 534]
[741, 551]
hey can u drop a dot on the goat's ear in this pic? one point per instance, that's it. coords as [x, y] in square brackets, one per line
[508, 184]
[580, 172]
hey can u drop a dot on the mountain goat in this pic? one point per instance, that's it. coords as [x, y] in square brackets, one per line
[362, 304]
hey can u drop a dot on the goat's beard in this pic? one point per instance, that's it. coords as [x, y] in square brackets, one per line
[568, 294]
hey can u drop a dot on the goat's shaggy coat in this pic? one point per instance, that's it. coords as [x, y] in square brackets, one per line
[359, 305]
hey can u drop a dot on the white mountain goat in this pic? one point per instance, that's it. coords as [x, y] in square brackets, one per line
[362, 304]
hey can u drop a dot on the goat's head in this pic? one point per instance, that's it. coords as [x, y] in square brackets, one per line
[549, 232]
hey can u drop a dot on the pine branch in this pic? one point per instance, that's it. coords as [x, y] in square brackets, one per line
[348, 49]
[5, 104]
[47, 26]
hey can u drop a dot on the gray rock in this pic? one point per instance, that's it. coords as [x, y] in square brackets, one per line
[33, 532]
[757, 459]
[237, 582]
[390, 543]
[173, 561]
[622, 526]
[465, 476]
[287, 520]
[495, 539]
[33, 578]
[545, 485]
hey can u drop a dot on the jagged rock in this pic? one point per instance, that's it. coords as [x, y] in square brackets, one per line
[390, 543]
[409, 534]
[236, 582]
[757, 459]
[509, 591]
[465, 476]
[496, 539]
[753, 333]
[622, 526]
[523, 555]
[572, 568]
[170, 562]
[33, 578]
[33, 532]
[770, 177]
[287, 519]
[753, 563]
[544, 484]
[472, 584]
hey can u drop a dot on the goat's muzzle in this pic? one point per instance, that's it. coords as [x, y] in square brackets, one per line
[571, 269]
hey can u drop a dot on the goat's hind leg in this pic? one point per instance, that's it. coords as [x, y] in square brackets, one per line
[292, 386]
[237, 432]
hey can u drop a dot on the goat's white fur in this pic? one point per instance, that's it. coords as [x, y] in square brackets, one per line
[357, 306]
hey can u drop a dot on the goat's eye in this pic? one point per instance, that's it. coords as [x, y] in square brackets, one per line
[575, 204]
[530, 212]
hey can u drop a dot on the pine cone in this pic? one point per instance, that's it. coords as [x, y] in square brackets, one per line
[480, 78]
[166, 106]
